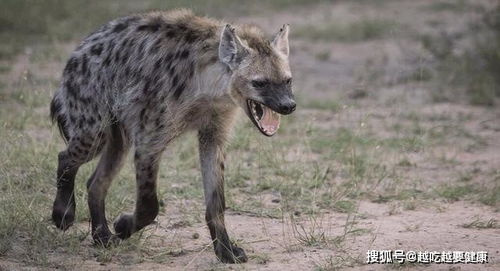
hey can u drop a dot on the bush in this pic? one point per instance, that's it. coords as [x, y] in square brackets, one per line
[476, 70]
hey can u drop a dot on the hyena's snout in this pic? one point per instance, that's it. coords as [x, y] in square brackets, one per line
[287, 106]
[283, 104]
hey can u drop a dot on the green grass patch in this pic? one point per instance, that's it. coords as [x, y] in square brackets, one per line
[491, 197]
[344, 206]
[455, 192]
[368, 29]
[27, 22]
[457, 6]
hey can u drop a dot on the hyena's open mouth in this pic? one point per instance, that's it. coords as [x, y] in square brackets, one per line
[267, 120]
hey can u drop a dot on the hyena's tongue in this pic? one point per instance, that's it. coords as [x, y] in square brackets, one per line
[270, 120]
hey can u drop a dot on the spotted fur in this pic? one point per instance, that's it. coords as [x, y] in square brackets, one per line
[143, 80]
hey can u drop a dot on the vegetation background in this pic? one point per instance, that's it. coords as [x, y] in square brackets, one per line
[395, 143]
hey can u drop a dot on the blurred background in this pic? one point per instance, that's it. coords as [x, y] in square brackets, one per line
[395, 139]
[456, 41]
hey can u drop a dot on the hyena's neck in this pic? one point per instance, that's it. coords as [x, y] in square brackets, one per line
[212, 81]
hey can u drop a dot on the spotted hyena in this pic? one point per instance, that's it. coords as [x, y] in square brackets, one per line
[142, 81]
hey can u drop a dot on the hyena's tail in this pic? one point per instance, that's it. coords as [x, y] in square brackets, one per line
[57, 115]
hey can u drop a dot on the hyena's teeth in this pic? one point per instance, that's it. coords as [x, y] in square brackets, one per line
[254, 111]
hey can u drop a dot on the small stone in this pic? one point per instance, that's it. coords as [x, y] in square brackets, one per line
[296, 213]
[195, 235]
[358, 93]
[161, 203]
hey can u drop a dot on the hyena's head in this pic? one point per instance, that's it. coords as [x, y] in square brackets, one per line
[261, 81]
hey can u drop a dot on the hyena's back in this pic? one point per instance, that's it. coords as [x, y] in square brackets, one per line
[132, 70]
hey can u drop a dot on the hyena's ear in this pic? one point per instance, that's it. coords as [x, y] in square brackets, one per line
[231, 49]
[280, 40]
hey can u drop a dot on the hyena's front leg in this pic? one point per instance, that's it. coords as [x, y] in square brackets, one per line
[147, 206]
[212, 168]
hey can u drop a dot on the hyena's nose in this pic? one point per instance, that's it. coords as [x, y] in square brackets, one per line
[288, 107]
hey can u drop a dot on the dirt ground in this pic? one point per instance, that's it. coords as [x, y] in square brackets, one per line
[367, 87]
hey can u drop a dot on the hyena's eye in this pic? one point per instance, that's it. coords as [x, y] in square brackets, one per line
[259, 83]
[288, 81]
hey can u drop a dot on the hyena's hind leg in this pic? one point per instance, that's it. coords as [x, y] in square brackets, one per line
[81, 149]
[98, 184]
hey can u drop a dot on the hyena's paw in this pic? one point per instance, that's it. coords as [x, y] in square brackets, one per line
[124, 226]
[103, 237]
[233, 254]
[63, 214]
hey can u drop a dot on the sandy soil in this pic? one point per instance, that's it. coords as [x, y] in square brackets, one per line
[431, 229]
